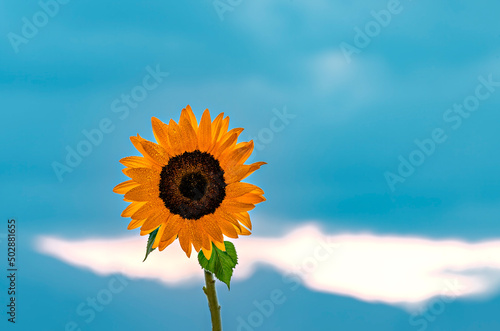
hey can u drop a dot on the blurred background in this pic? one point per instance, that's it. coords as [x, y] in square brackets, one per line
[375, 117]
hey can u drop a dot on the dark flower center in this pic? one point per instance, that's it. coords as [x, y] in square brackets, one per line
[192, 184]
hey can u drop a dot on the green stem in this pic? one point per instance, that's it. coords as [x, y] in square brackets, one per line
[213, 303]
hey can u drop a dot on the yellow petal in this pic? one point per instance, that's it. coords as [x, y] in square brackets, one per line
[222, 214]
[220, 245]
[211, 227]
[223, 129]
[185, 240]
[216, 128]
[125, 187]
[160, 130]
[135, 162]
[137, 141]
[253, 167]
[229, 142]
[205, 241]
[132, 208]
[159, 234]
[175, 138]
[188, 135]
[172, 227]
[228, 229]
[195, 234]
[233, 206]
[205, 132]
[142, 193]
[243, 232]
[207, 252]
[238, 189]
[240, 171]
[152, 222]
[238, 156]
[238, 131]
[188, 113]
[164, 243]
[251, 198]
[244, 219]
[134, 224]
[149, 208]
[156, 152]
[144, 175]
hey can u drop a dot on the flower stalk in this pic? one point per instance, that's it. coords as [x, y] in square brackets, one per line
[213, 303]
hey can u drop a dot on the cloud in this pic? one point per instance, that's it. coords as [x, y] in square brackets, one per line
[403, 271]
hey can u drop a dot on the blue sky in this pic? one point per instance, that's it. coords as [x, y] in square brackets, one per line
[352, 117]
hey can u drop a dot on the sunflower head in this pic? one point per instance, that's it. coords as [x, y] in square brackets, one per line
[188, 185]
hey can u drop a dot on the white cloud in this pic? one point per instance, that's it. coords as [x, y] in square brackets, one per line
[405, 271]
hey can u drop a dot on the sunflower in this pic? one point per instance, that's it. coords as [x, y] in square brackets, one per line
[188, 184]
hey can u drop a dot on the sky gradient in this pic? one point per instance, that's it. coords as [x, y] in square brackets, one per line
[375, 118]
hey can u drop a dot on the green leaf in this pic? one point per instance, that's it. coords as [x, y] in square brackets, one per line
[221, 263]
[151, 240]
